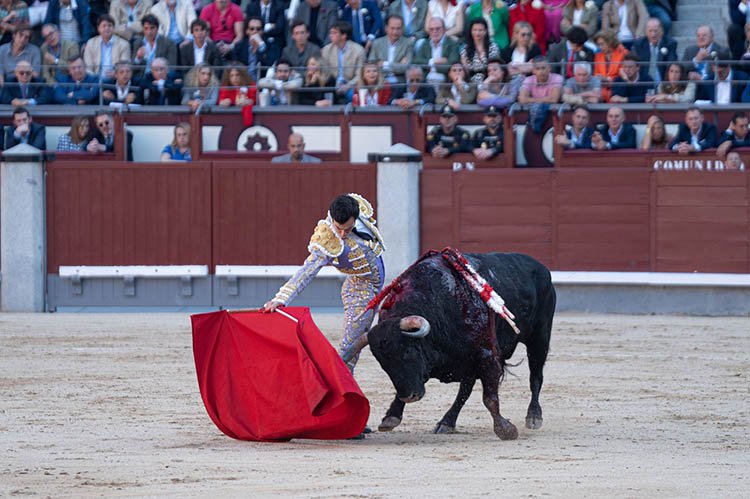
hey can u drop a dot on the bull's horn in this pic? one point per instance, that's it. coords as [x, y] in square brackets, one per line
[415, 326]
[356, 347]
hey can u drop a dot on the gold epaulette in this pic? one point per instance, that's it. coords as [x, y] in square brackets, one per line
[325, 239]
[365, 208]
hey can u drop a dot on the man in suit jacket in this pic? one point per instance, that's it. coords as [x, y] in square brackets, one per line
[694, 135]
[296, 154]
[353, 57]
[152, 45]
[103, 139]
[122, 89]
[414, 13]
[201, 49]
[579, 134]
[56, 53]
[366, 21]
[415, 92]
[635, 22]
[25, 131]
[271, 14]
[119, 49]
[80, 13]
[24, 90]
[630, 86]
[300, 50]
[253, 50]
[735, 136]
[437, 53]
[569, 50]
[727, 85]
[161, 87]
[654, 50]
[697, 57]
[78, 87]
[324, 13]
[393, 63]
[616, 134]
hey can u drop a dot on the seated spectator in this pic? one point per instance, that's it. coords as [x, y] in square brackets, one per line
[570, 50]
[581, 13]
[496, 14]
[103, 139]
[226, 22]
[607, 62]
[271, 14]
[532, 13]
[479, 49]
[152, 45]
[103, 51]
[543, 86]
[697, 57]
[694, 135]
[582, 88]
[630, 86]
[415, 92]
[656, 136]
[280, 84]
[734, 161]
[447, 138]
[457, 91]
[366, 21]
[127, 15]
[675, 87]
[201, 49]
[634, 26]
[13, 15]
[579, 134]
[78, 87]
[371, 89]
[237, 87]
[55, 54]
[653, 50]
[296, 147]
[734, 136]
[317, 87]
[319, 16]
[25, 131]
[175, 17]
[437, 53]
[497, 89]
[122, 89]
[77, 137]
[161, 87]
[487, 142]
[393, 52]
[452, 14]
[20, 50]
[253, 50]
[201, 87]
[522, 50]
[23, 90]
[351, 55]
[72, 18]
[179, 149]
[616, 134]
[414, 14]
[726, 86]
[300, 50]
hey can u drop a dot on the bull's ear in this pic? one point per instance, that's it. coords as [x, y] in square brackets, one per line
[414, 326]
[356, 347]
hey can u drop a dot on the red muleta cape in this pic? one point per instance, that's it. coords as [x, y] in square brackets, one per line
[266, 377]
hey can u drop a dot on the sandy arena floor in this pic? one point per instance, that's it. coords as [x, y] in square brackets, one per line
[108, 405]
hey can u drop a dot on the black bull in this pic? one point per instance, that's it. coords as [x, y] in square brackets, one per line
[465, 340]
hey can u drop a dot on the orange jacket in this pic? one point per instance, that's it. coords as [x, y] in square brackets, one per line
[608, 70]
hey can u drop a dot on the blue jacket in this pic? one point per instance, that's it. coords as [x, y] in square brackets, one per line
[87, 90]
[37, 90]
[627, 137]
[85, 29]
[372, 20]
[585, 142]
[642, 48]
[635, 92]
[706, 136]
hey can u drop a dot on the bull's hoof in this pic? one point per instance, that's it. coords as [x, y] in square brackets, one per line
[506, 430]
[533, 422]
[389, 423]
[442, 428]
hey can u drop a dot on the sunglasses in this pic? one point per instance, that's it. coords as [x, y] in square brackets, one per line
[103, 123]
[254, 28]
[524, 34]
[25, 73]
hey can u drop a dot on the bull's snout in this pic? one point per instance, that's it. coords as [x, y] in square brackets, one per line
[414, 397]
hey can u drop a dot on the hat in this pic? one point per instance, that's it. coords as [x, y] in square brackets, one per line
[491, 111]
[447, 111]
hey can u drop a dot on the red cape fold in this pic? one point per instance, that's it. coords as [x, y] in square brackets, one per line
[266, 377]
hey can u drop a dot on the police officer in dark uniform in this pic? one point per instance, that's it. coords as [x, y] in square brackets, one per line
[447, 138]
[487, 142]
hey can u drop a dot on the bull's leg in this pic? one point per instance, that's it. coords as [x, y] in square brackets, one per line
[490, 383]
[393, 416]
[448, 423]
[537, 353]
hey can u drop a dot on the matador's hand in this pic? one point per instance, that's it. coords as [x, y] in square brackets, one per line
[271, 306]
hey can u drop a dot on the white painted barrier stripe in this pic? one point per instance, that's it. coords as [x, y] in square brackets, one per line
[651, 278]
[269, 271]
[134, 271]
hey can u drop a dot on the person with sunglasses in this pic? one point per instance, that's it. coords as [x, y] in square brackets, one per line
[226, 21]
[415, 92]
[103, 139]
[24, 89]
[253, 50]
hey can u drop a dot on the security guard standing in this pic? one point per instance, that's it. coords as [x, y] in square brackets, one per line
[447, 138]
[487, 142]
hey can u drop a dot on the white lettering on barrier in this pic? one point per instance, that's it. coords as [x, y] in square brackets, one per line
[694, 164]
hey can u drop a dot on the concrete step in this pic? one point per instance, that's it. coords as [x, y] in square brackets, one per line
[699, 14]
